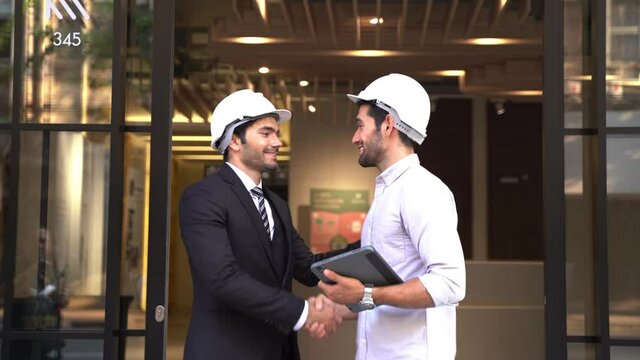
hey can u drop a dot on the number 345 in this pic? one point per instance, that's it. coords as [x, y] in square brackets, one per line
[70, 39]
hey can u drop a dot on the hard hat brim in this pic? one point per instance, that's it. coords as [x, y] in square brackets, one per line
[356, 98]
[284, 115]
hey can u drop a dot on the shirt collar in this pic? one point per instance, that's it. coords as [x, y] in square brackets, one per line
[393, 172]
[246, 180]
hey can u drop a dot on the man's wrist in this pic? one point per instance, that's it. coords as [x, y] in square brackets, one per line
[367, 302]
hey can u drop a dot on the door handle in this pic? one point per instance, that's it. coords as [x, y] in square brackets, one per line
[159, 313]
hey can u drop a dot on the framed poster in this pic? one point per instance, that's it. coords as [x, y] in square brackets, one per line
[336, 217]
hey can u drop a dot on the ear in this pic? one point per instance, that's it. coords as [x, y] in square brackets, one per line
[235, 143]
[387, 125]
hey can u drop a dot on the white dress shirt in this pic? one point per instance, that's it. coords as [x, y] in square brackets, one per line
[412, 223]
[249, 184]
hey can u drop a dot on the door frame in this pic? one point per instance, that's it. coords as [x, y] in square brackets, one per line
[112, 334]
[160, 182]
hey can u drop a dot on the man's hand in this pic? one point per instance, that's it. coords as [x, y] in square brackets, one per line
[323, 320]
[345, 290]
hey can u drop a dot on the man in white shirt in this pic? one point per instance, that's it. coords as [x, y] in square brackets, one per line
[412, 223]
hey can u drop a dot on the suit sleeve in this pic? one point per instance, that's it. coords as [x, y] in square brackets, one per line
[203, 227]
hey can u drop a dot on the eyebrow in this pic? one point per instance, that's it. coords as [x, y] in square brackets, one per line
[268, 128]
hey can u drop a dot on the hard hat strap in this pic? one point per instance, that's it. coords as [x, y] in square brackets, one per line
[399, 124]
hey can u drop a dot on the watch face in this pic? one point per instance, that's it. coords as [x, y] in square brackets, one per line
[367, 305]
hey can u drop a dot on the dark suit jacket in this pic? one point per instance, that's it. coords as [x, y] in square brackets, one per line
[241, 309]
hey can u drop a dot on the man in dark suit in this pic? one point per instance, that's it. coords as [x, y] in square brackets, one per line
[243, 249]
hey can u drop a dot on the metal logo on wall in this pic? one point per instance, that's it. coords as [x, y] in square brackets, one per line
[51, 7]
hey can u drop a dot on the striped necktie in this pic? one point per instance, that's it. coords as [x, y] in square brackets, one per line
[257, 192]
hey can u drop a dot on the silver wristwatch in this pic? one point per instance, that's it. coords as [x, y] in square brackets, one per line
[367, 300]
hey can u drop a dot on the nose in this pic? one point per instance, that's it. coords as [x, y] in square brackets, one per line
[355, 139]
[276, 142]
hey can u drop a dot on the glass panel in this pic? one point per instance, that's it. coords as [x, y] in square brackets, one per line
[133, 285]
[56, 349]
[138, 91]
[581, 351]
[623, 63]
[6, 59]
[68, 50]
[60, 260]
[5, 153]
[134, 349]
[625, 353]
[623, 218]
[576, 71]
[581, 307]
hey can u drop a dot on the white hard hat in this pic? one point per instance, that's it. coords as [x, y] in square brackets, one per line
[404, 98]
[239, 108]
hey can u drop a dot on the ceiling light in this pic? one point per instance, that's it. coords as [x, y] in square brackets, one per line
[190, 148]
[369, 53]
[525, 93]
[450, 73]
[304, 83]
[311, 108]
[376, 21]
[191, 138]
[254, 40]
[263, 70]
[491, 41]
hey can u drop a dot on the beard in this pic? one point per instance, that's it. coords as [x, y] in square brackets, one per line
[255, 159]
[371, 153]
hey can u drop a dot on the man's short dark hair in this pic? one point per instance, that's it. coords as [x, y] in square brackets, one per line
[378, 114]
[241, 132]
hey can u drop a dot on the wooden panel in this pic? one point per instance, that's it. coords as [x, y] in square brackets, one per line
[515, 182]
[447, 153]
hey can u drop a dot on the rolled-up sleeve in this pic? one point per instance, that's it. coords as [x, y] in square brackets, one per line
[430, 219]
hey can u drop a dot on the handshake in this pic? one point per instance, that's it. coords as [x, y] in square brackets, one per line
[325, 316]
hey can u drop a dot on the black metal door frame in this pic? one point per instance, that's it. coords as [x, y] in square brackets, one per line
[556, 335]
[113, 335]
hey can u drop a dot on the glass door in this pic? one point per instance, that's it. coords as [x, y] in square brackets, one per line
[84, 155]
[591, 193]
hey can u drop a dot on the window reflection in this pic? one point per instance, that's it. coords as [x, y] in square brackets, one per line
[60, 259]
[576, 78]
[580, 267]
[5, 152]
[623, 217]
[6, 61]
[135, 237]
[623, 65]
[68, 62]
[138, 91]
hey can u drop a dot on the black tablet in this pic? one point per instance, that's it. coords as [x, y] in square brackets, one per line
[364, 264]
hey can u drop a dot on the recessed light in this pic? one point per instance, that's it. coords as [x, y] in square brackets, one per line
[263, 70]
[304, 83]
[450, 72]
[492, 41]
[311, 108]
[254, 40]
[369, 53]
[376, 21]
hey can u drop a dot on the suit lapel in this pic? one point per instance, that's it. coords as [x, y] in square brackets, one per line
[252, 212]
